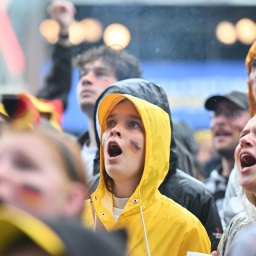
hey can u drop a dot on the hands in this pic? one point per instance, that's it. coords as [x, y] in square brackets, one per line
[63, 12]
[215, 253]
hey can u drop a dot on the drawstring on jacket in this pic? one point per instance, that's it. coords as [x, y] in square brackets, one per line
[144, 231]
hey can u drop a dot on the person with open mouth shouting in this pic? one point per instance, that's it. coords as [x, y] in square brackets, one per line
[245, 157]
[134, 160]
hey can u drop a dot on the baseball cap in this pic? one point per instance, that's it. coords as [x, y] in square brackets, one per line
[238, 98]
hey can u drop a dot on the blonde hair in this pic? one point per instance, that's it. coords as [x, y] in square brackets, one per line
[251, 197]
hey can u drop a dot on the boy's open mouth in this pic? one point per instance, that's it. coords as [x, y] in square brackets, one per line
[114, 149]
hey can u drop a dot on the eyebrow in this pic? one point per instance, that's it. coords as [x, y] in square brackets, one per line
[244, 132]
[83, 70]
[131, 116]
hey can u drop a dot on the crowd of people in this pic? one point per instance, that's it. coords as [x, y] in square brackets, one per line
[132, 184]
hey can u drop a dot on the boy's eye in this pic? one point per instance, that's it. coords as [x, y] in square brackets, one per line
[100, 73]
[134, 124]
[24, 165]
[82, 73]
[110, 123]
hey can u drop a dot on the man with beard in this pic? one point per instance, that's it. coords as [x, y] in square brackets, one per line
[230, 114]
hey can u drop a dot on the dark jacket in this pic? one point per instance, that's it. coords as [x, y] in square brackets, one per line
[177, 185]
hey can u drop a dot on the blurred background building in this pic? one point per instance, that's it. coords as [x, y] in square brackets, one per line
[193, 48]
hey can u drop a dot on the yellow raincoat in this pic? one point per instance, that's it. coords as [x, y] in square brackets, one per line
[156, 225]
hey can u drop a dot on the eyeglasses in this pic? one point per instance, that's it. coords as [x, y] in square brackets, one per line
[228, 113]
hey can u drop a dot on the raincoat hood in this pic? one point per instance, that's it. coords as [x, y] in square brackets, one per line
[147, 91]
[156, 148]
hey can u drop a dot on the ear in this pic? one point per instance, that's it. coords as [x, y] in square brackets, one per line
[75, 200]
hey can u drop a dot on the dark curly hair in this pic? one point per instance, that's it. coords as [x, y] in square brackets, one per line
[124, 65]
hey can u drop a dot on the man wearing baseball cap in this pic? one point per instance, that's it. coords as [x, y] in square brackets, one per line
[230, 113]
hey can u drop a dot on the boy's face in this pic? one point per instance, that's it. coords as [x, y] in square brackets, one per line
[32, 176]
[95, 77]
[124, 145]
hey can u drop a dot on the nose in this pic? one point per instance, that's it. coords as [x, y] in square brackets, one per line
[115, 132]
[247, 141]
[218, 120]
[88, 78]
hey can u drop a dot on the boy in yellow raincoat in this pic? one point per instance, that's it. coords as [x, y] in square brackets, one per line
[134, 159]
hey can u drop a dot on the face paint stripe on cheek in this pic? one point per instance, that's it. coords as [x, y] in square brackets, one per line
[30, 195]
[133, 148]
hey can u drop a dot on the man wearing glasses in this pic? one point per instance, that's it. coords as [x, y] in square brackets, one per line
[230, 113]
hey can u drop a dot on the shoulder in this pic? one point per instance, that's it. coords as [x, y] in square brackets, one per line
[238, 223]
[175, 211]
[183, 183]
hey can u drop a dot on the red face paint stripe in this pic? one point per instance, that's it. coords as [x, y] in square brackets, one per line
[30, 195]
[130, 151]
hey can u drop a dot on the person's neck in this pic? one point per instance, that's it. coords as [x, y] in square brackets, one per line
[123, 189]
[227, 165]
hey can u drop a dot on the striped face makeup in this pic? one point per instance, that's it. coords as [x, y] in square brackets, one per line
[133, 148]
[30, 195]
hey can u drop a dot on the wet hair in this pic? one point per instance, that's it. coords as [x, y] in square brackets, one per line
[109, 182]
[122, 63]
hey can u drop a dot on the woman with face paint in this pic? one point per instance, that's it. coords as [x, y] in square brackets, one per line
[134, 159]
[41, 172]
